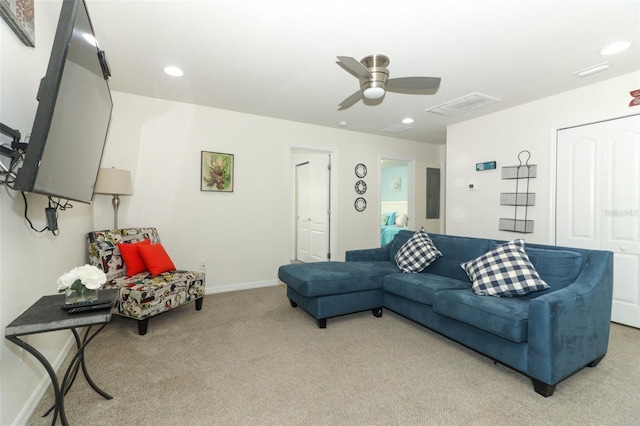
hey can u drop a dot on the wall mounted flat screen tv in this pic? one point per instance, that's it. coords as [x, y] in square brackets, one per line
[74, 110]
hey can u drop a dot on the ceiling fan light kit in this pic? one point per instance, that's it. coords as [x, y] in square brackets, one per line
[374, 84]
[373, 92]
[374, 80]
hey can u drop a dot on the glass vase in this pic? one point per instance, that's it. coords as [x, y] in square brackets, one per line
[82, 295]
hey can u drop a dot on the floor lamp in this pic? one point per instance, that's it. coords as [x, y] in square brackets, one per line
[114, 182]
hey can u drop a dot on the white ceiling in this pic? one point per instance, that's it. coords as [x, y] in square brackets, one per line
[278, 58]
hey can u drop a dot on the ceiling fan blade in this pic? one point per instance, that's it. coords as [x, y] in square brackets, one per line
[419, 85]
[353, 66]
[351, 100]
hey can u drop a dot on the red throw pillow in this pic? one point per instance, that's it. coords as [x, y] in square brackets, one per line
[131, 257]
[156, 259]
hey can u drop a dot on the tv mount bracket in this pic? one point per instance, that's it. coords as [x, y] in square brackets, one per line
[15, 143]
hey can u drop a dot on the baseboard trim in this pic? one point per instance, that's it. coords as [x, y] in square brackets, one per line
[241, 286]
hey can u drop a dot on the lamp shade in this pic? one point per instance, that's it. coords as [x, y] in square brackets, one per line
[113, 181]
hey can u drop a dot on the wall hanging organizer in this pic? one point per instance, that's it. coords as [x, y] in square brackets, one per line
[521, 199]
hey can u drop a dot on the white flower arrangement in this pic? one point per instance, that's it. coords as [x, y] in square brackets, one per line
[81, 277]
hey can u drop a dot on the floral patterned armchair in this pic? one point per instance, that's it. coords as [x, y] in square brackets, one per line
[142, 296]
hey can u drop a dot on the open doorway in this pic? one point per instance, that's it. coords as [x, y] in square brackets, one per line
[395, 187]
[311, 204]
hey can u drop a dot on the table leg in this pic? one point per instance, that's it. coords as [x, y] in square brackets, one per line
[78, 361]
[59, 400]
[84, 365]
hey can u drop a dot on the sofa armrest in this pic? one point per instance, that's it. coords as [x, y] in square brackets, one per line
[375, 254]
[569, 328]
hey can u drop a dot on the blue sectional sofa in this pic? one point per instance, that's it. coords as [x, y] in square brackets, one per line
[547, 335]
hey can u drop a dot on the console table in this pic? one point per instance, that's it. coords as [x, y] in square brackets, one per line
[44, 316]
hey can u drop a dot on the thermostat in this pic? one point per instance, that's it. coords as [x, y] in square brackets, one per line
[487, 165]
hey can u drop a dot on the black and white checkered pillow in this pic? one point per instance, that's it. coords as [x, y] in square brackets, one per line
[505, 271]
[417, 253]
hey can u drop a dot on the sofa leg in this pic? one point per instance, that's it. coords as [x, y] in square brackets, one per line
[142, 326]
[377, 312]
[322, 322]
[293, 304]
[595, 362]
[199, 303]
[543, 388]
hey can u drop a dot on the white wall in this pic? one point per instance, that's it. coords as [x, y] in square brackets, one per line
[30, 263]
[501, 136]
[242, 236]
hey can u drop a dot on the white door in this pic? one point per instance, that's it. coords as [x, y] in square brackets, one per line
[303, 212]
[598, 202]
[313, 208]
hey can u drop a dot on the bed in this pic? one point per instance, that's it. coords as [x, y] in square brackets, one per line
[393, 220]
[387, 232]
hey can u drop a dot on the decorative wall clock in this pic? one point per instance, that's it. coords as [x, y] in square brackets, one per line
[361, 170]
[360, 204]
[361, 187]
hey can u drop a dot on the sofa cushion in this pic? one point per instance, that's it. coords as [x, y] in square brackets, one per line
[504, 317]
[421, 287]
[326, 278]
[143, 295]
[398, 241]
[456, 250]
[417, 253]
[505, 271]
[557, 267]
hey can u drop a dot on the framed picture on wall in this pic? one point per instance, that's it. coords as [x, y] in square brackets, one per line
[216, 171]
[395, 184]
[19, 14]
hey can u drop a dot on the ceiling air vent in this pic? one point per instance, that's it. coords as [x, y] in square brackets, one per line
[464, 104]
[397, 128]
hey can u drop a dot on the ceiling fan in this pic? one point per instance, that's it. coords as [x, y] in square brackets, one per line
[375, 82]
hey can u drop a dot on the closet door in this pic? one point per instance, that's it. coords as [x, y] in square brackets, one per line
[621, 214]
[598, 202]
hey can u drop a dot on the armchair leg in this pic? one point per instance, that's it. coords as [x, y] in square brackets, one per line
[199, 303]
[142, 326]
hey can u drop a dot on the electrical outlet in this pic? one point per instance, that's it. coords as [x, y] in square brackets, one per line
[203, 266]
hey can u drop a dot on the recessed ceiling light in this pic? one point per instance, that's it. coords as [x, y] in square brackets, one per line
[342, 123]
[616, 47]
[407, 120]
[174, 71]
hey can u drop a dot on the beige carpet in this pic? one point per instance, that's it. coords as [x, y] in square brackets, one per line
[248, 358]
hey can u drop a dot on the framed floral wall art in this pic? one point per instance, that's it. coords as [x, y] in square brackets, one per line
[216, 171]
[19, 14]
